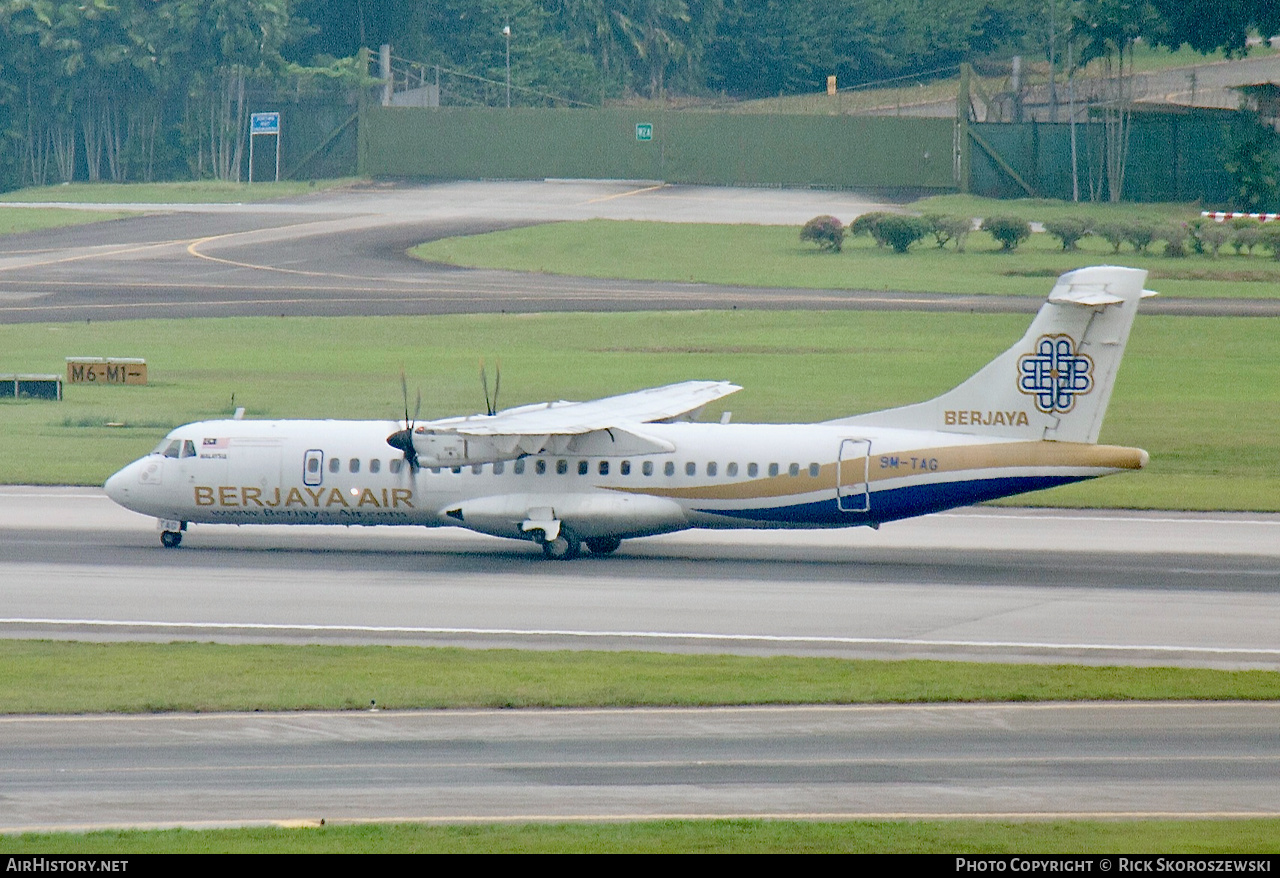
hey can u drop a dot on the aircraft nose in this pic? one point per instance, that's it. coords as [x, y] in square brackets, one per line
[117, 486]
[124, 485]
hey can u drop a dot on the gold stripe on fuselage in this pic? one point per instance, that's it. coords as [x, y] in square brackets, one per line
[917, 462]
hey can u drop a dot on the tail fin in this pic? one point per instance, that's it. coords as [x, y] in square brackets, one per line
[1053, 384]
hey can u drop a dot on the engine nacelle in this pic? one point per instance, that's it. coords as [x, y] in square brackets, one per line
[450, 449]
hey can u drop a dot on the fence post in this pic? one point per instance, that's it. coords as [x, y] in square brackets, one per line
[962, 142]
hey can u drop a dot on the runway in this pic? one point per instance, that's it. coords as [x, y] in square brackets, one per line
[1004, 762]
[979, 584]
[973, 584]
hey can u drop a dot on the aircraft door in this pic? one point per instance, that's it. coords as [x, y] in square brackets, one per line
[313, 468]
[853, 469]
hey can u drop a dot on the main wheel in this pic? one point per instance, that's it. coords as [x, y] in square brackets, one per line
[171, 539]
[603, 545]
[564, 547]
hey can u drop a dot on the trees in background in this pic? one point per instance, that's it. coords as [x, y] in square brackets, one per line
[135, 89]
[94, 85]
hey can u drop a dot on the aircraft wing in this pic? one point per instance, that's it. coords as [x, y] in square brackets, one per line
[605, 427]
[571, 418]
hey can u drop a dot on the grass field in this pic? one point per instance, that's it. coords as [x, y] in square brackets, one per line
[1164, 837]
[773, 256]
[30, 219]
[54, 677]
[1198, 393]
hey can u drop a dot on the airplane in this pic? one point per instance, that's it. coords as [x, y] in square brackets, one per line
[571, 474]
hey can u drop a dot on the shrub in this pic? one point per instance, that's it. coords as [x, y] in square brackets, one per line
[949, 228]
[1069, 230]
[1247, 237]
[1140, 234]
[1113, 233]
[1175, 238]
[900, 232]
[1211, 236]
[1269, 237]
[869, 224]
[825, 231]
[1010, 231]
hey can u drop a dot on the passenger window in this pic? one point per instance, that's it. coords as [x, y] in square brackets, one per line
[456, 470]
[753, 470]
[313, 464]
[583, 467]
[669, 468]
[793, 470]
[604, 468]
[335, 465]
[498, 468]
[624, 468]
[477, 468]
[375, 466]
[354, 465]
[814, 469]
[519, 467]
[731, 469]
[562, 467]
[691, 469]
[397, 464]
[773, 469]
[647, 467]
[711, 468]
[540, 467]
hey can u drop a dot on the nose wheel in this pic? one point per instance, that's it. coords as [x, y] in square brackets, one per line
[171, 532]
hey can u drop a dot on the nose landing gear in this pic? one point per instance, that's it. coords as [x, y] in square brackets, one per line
[171, 532]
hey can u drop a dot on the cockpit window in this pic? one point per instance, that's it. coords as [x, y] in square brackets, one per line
[188, 448]
[173, 449]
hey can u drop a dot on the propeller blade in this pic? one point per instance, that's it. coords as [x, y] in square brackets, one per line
[402, 440]
[484, 382]
[497, 385]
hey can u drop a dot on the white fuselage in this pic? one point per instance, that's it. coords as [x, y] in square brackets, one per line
[719, 475]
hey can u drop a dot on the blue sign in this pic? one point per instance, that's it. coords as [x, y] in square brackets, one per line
[644, 131]
[264, 123]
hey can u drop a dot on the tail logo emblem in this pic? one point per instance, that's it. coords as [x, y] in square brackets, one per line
[1055, 374]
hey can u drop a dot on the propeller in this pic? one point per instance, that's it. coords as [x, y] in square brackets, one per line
[402, 440]
[491, 406]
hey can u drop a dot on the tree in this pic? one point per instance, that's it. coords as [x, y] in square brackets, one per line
[1106, 30]
[1251, 160]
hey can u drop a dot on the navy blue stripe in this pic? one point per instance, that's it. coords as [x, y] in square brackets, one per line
[896, 503]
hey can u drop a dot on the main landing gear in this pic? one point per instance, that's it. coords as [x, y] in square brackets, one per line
[567, 545]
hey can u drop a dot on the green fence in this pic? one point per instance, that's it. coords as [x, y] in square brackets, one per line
[676, 147]
[1172, 157]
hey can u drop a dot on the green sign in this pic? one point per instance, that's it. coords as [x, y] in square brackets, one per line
[644, 131]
